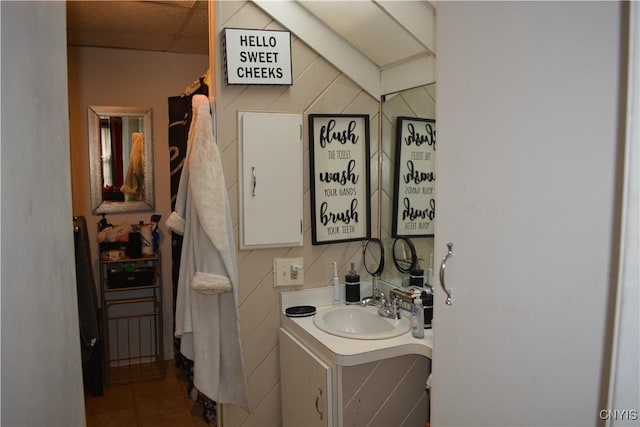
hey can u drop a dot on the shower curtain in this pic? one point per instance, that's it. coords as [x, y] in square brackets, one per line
[179, 122]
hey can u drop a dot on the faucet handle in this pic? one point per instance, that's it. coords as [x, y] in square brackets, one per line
[395, 307]
[383, 299]
[367, 301]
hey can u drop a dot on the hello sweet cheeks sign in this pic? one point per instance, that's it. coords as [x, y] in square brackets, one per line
[257, 57]
[339, 167]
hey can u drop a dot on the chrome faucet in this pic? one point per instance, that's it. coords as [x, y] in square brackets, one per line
[371, 300]
[401, 300]
[387, 308]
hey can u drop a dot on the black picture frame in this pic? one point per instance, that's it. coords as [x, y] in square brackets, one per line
[340, 181]
[414, 199]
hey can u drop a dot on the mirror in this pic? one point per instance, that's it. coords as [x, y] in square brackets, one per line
[405, 257]
[373, 256]
[418, 102]
[121, 159]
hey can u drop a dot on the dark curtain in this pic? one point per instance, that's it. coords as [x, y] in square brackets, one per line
[179, 122]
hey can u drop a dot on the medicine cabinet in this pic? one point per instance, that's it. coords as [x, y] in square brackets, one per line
[270, 179]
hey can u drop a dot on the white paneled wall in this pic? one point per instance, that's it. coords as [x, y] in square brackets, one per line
[318, 87]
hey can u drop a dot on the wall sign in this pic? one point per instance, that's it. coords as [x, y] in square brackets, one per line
[414, 201]
[257, 57]
[339, 165]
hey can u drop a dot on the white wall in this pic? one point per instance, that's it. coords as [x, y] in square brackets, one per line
[41, 368]
[100, 76]
[318, 87]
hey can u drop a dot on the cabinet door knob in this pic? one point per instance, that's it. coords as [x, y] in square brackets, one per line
[254, 181]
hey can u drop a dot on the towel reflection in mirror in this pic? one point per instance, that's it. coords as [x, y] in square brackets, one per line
[134, 180]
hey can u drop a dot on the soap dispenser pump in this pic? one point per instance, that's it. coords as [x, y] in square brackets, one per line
[352, 286]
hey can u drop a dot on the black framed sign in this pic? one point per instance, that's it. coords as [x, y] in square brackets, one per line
[339, 167]
[414, 201]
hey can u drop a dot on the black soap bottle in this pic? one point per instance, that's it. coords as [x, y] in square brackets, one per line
[427, 304]
[416, 277]
[134, 245]
[352, 286]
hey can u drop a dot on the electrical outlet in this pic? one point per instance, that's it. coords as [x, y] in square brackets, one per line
[288, 271]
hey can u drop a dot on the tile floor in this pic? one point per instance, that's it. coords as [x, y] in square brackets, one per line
[151, 403]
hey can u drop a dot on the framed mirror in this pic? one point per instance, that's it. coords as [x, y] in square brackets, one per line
[419, 102]
[121, 159]
[405, 257]
[373, 256]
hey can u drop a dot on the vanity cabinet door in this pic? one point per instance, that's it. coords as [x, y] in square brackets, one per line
[305, 385]
[270, 180]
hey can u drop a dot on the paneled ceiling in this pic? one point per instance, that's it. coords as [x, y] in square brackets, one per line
[384, 35]
[165, 26]
[386, 32]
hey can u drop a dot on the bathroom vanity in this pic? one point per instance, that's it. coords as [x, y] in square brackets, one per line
[328, 380]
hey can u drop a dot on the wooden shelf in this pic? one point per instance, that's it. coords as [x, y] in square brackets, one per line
[132, 321]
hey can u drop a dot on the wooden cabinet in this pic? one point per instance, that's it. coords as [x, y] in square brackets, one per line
[270, 179]
[316, 392]
[131, 301]
[306, 385]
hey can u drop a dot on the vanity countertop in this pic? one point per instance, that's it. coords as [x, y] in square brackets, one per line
[346, 351]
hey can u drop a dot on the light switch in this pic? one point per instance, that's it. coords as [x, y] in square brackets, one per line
[288, 271]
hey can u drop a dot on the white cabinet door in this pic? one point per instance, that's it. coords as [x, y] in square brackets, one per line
[270, 179]
[305, 385]
[527, 149]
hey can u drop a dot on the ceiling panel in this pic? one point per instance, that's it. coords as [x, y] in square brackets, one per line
[197, 25]
[155, 42]
[126, 17]
[196, 46]
[368, 28]
[387, 33]
[167, 26]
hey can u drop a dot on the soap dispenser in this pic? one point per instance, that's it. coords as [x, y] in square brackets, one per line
[416, 276]
[427, 304]
[417, 318]
[352, 286]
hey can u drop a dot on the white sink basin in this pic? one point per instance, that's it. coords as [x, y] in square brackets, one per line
[360, 323]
